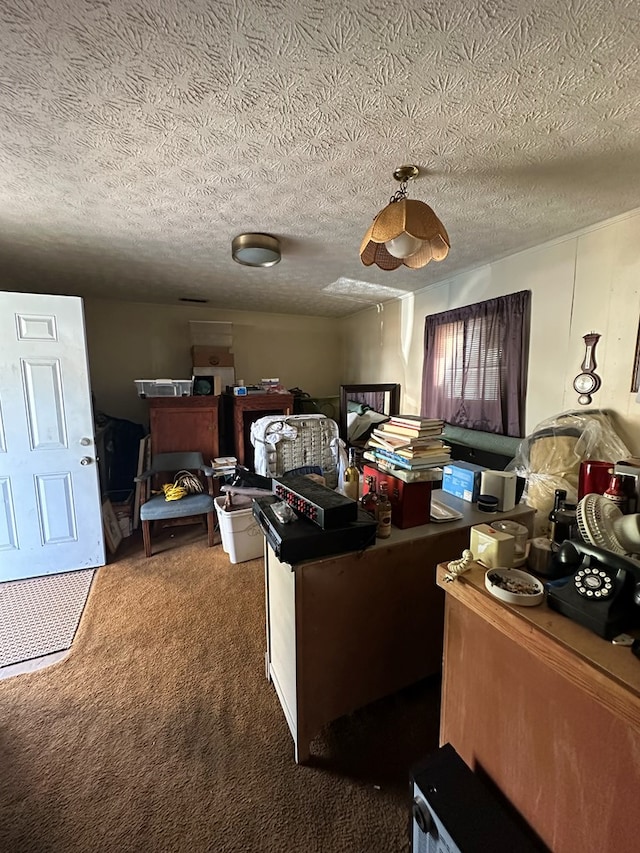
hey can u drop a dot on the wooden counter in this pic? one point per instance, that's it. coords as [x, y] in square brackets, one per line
[549, 711]
[345, 630]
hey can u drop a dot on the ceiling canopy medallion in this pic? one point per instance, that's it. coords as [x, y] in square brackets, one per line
[405, 232]
[256, 250]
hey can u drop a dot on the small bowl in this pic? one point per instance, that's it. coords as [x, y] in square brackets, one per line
[494, 577]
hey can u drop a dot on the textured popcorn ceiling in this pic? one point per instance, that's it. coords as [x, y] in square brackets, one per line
[138, 138]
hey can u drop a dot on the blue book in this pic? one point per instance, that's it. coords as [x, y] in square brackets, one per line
[411, 464]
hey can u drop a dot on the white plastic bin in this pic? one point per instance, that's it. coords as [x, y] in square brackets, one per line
[242, 537]
[164, 387]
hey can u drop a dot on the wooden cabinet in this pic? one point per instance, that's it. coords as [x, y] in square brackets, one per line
[549, 711]
[345, 630]
[185, 423]
[241, 412]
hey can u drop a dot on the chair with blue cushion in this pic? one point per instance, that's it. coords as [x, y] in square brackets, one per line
[155, 507]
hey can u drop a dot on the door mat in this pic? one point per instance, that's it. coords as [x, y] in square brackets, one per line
[40, 616]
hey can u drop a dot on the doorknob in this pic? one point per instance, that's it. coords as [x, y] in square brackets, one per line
[86, 460]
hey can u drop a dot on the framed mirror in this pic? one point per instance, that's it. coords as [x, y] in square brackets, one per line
[382, 398]
[635, 376]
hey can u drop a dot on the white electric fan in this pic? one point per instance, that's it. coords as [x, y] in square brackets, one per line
[602, 524]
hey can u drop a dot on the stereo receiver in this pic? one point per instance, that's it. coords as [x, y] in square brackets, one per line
[303, 540]
[314, 501]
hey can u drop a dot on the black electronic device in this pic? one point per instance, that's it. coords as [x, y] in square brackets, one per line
[203, 386]
[318, 503]
[303, 540]
[600, 589]
[454, 811]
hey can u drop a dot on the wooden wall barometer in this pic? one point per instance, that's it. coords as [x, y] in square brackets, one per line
[587, 381]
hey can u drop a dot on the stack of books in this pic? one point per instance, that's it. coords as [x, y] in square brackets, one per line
[409, 445]
[223, 465]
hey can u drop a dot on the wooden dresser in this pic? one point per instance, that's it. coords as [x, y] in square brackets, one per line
[185, 423]
[549, 711]
[241, 412]
[345, 630]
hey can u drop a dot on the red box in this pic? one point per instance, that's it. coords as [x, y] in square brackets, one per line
[410, 502]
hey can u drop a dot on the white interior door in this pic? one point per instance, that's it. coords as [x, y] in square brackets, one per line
[50, 508]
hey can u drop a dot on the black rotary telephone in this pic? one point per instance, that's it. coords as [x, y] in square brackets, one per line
[601, 590]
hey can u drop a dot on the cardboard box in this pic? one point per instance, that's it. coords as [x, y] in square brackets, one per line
[462, 479]
[202, 356]
[122, 503]
[211, 333]
[410, 502]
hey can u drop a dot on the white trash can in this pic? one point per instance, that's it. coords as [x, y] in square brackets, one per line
[241, 535]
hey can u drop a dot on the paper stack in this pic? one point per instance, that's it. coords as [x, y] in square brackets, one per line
[224, 465]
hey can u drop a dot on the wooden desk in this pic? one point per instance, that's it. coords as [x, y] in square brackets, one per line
[346, 630]
[550, 711]
[243, 411]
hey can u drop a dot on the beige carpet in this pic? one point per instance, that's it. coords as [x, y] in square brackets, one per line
[159, 731]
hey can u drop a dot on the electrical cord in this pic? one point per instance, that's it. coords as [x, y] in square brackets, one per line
[173, 492]
[189, 482]
[185, 483]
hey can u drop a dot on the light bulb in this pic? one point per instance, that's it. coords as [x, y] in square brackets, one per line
[403, 246]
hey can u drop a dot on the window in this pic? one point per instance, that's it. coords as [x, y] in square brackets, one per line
[475, 364]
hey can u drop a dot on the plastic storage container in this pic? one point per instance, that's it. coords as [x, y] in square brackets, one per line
[242, 537]
[164, 387]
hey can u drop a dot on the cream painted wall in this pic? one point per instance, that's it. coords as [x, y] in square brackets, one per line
[128, 341]
[589, 281]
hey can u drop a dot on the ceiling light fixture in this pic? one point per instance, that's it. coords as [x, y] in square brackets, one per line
[405, 232]
[255, 250]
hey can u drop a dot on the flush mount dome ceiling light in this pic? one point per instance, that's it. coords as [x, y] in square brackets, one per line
[405, 232]
[255, 250]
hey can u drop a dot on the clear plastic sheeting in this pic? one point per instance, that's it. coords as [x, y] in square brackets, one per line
[549, 458]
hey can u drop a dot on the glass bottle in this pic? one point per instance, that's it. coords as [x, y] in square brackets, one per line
[557, 533]
[370, 497]
[351, 481]
[383, 512]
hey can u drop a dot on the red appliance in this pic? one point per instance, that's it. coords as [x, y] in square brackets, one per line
[410, 502]
[594, 477]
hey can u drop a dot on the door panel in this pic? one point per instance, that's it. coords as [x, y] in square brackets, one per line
[51, 519]
[8, 535]
[56, 509]
[43, 398]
